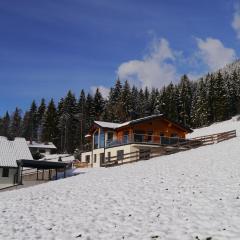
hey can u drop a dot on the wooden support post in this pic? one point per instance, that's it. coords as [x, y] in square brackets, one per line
[21, 176]
[49, 174]
[56, 174]
[64, 172]
[37, 173]
[43, 174]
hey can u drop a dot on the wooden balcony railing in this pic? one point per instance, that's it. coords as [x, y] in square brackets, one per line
[146, 139]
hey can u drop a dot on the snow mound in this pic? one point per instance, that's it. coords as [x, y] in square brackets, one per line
[185, 196]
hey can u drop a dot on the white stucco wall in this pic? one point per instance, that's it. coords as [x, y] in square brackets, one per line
[84, 154]
[128, 148]
[7, 181]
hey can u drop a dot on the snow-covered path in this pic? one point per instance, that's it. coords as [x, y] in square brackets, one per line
[188, 195]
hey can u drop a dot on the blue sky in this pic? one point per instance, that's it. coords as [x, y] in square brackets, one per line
[50, 46]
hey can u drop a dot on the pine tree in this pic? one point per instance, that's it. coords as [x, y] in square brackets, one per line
[81, 127]
[26, 126]
[70, 122]
[210, 98]
[98, 103]
[185, 100]
[148, 102]
[220, 97]
[90, 111]
[126, 99]
[6, 125]
[171, 102]
[40, 114]
[33, 121]
[15, 126]
[50, 120]
[199, 113]
[133, 112]
[115, 105]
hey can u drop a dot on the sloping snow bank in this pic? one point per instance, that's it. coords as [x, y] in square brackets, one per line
[186, 196]
[232, 124]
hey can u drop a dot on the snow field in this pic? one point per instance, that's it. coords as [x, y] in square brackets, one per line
[189, 195]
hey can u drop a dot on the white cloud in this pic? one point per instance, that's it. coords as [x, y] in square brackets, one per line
[103, 90]
[214, 54]
[236, 21]
[154, 70]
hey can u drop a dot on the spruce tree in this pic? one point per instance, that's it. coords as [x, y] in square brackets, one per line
[15, 126]
[33, 121]
[26, 126]
[40, 114]
[126, 99]
[98, 103]
[50, 120]
[220, 97]
[199, 112]
[185, 99]
[5, 125]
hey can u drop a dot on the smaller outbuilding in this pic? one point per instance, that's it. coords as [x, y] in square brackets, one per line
[42, 148]
[10, 152]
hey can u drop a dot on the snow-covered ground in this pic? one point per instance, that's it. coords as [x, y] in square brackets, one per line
[233, 124]
[185, 196]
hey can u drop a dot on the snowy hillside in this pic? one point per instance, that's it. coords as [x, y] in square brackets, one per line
[232, 124]
[186, 196]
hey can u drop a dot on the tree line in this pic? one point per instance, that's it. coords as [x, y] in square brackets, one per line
[216, 97]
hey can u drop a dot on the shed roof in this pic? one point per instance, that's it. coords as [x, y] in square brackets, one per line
[34, 144]
[10, 151]
[41, 164]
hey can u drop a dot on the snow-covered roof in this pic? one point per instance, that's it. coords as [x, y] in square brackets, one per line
[114, 126]
[119, 125]
[10, 151]
[107, 124]
[34, 144]
[55, 157]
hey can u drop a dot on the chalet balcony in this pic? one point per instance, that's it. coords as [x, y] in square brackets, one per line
[146, 139]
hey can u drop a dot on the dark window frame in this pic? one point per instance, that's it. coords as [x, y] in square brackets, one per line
[87, 158]
[5, 172]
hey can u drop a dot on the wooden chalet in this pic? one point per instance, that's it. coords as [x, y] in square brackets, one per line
[108, 140]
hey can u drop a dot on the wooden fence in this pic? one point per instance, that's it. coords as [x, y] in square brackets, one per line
[215, 138]
[151, 152]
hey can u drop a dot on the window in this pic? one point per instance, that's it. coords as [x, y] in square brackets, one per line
[139, 136]
[101, 139]
[95, 139]
[174, 138]
[120, 154]
[101, 157]
[149, 136]
[164, 140]
[87, 158]
[95, 158]
[110, 136]
[125, 136]
[5, 172]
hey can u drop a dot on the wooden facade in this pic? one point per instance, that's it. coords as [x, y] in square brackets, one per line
[151, 129]
[156, 127]
[116, 139]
